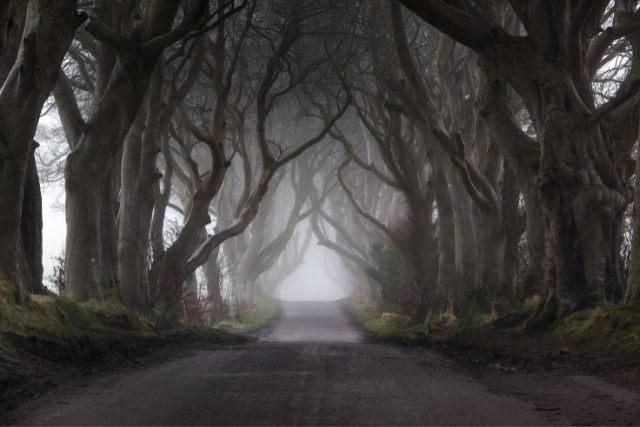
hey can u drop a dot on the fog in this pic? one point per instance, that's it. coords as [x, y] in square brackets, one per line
[54, 229]
[316, 279]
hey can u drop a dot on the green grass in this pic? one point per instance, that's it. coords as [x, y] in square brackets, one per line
[49, 320]
[390, 327]
[613, 329]
[59, 329]
[51, 336]
[608, 328]
[259, 316]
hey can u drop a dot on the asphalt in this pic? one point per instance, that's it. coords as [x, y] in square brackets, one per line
[312, 367]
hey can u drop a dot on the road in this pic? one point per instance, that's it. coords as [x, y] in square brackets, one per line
[312, 367]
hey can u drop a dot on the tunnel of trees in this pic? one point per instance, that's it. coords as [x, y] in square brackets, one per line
[456, 156]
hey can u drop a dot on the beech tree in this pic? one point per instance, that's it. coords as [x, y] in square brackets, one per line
[469, 165]
[471, 155]
[127, 50]
[35, 37]
[583, 145]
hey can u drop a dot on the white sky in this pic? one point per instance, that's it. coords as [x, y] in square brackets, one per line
[54, 227]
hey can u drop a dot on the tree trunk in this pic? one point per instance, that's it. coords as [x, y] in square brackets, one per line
[580, 215]
[633, 282]
[48, 31]
[139, 176]
[83, 249]
[213, 276]
[90, 228]
[488, 231]
[190, 301]
[532, 282]
[422, 255]
[109, 232]
[511, 232]
[465, 243]
[13, 260]
[88, 176]
[32, 226]
[136, 210]
[171, 270]
[447, 272]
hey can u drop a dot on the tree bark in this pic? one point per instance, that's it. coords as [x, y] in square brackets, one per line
[32, 226]
[633, 282]
[12, 21]
[511, 232]
[448, 275]
[466, 263]
[213, 276]
[490, 239]
[136, 209]
[190, 301]
[139, 176]
[421, 252]
[532, 282]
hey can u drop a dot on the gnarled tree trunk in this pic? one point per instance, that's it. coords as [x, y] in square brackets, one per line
[581, 146]
[91, 235]
[48, 30]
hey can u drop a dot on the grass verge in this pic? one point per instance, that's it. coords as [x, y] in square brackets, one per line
[263, 312]
[57, 328]
[603, 340]
[613, 328]
[389, 327]
[392, 327]
[608, 328]
[49, 337]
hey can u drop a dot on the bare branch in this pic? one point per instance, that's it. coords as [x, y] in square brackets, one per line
[380, 226]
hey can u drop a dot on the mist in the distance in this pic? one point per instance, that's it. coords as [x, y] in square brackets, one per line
[315, 280]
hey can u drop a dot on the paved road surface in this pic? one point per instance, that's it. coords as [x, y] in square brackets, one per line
[312, 367]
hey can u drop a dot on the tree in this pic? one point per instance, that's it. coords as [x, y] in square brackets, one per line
[583, 145]
[140, 174]
[38, 34]
[127, 51]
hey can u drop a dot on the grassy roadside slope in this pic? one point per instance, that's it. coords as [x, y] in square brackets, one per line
[50, 337]
[391, 327]
[600, 340]
[263, 312]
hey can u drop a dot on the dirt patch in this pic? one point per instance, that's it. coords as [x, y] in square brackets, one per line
[585, 368]
[581, 379]
[582, 399]
[508, 350]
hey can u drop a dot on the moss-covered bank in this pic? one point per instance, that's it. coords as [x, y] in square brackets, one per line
[613, 328]
[58, 328]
